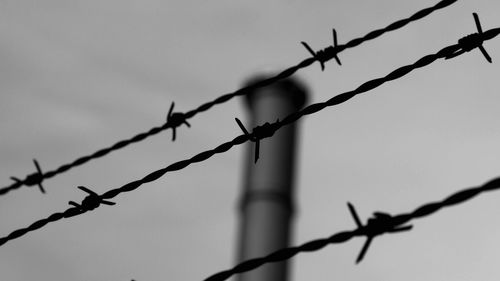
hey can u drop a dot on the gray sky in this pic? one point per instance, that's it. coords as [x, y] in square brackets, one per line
[77, 76]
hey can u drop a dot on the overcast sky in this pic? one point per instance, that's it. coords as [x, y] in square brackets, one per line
[76, 76]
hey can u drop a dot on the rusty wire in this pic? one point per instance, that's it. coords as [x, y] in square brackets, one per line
[180, 118]
[372, 84]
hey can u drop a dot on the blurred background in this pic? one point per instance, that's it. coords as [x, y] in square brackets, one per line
[76, 76]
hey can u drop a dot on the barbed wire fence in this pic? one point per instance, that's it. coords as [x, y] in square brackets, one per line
[94, 200]
[176, 119]
[379, 224]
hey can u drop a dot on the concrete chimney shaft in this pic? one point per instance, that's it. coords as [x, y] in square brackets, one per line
[267, 202]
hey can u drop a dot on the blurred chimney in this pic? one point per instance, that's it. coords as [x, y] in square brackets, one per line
[267, 201]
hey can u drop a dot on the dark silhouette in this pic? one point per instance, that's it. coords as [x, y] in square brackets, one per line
[325, 55]
[322, 57]
[263, 131]
[380, 223]
[90, 202]
[472, 41]
[33, 179]
[200, 157]
[383, 224]
[175, 120]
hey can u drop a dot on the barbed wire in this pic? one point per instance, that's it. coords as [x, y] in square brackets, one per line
[93, 200]
[175, 120]
[381, 223]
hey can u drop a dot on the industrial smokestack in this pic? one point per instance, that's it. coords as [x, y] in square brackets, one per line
[267, 201]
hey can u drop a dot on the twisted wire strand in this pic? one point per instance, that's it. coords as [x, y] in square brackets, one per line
[82, 160]
[372, 84]
[344, 236]
[330, 53]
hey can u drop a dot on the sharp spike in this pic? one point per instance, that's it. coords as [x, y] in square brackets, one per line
[41, 187]
[257, 148]
[478, 24]
[485, 54]
[40, 174]
[170, 110]
[74, 204]
[107, 202]
[241, 126]
[337, 59]
[364, 249]
[313, 53]
[15, 179]
[354, 215]
[37, 166]
[335, 43]
[87, 190]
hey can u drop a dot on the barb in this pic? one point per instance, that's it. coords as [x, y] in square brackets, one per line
[385, 223]
[176, 119]
[33, 179]
[326, 54]
[242, 91]
[380, 223]
[260, 132]
[90, 202]
[472, 41]
[313, 108]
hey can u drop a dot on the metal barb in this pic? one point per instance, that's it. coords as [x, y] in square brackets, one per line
[315, 55]
[252, 138]
[341, 237]
[257, 151]
[120, 144]
[379, 224]
[263, 131]
[472, 41]
[364, 249]
[324, 55]
[33, 179]
[92, 201]
[480, 32]
[242, 127]
[354, 215]
[176, 119]
[478, 23]
[335, 46]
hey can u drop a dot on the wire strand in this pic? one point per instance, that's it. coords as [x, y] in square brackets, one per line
[329, 53]
[372, 84]
[344, 236]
